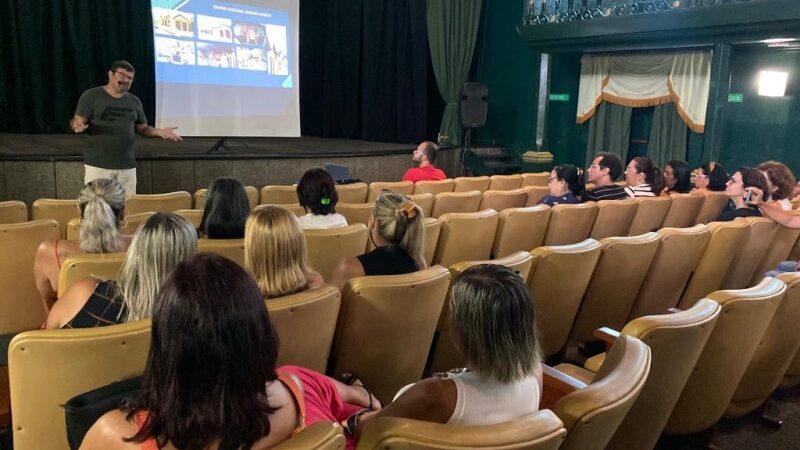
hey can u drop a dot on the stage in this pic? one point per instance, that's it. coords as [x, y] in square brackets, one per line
[50, 166]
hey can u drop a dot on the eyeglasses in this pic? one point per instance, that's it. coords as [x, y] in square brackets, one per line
[594, 166]
[123, 75]
[552, 179]
[700, 175]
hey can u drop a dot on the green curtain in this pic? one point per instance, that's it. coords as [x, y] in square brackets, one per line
[609, 131]
[667, 136]
[452, 29]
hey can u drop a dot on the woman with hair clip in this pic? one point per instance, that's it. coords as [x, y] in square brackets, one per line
[644, 178]
[210, 381]
[739, 190]
[102, 209]
[780, 182]
[316, 192]
[158, 246]
[566, 186]
[225, 211]
[677, 177]
[397, 232]
[275, 253]
[710, 177]
[494, 322]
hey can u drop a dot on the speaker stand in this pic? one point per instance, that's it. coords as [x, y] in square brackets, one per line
[219, 148]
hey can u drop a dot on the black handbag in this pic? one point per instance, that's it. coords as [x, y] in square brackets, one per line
[83, 410]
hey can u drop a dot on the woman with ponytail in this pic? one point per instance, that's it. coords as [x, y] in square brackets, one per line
[397, 232]
[644, 178]
[102, 207]
[316, 193]
[566, 186]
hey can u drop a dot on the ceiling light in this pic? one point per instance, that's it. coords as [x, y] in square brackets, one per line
[772, 83]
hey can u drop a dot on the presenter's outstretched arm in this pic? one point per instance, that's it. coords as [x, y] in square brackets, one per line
[167, 133]
[79, 124]
[773, 211]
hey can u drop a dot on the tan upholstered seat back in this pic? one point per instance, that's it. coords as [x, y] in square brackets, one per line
[570, 224]
[445, 355]
[352, 193]
[465, 184]
[48, 367]
[194, 216]
[400, 187]
[792, 375]
[760, 233]
[613, 218]
[295, 208]
[678, 252]
[778, 251]
[319, 436]
[558, 280]
[305, 323]
[683, 210]
[712, 207]
[326, 248]
[434, 187]
[535, 179]
[13, 211]
[59, 210]
[21, 307]
[433, 228]
[745, 316]
[200, 197]
[450, 202]
[164, 203]
[386, 325]
[355, 212]
[591, 415]
[615, 283]
[505, 182]
[424, 201]
[675, 341]
[774, 353]
[539, 431]
[103, 266]
[73, 229]
[500, 200]
[476, 229]
[725, 241]
[535, 193]
[649, 214]
[232, 249]
[520, 229]
[279, 195]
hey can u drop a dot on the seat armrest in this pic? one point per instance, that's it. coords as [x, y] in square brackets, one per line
[607, 335]
[674, 310]
[556, 385]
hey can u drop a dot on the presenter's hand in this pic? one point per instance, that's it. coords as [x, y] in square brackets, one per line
[169, 134]
[79, 127]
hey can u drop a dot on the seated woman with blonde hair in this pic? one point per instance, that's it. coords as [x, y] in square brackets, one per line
[397, 232]
[102, 208]
[158, 246]
[275, 253]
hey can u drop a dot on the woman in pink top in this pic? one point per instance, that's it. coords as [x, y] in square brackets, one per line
[211, 381]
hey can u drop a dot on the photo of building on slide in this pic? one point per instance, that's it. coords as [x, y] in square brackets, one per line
[173, 23]
[215, 55]
[277, 59]
[214, 29]
[173, 51]
[251, 58]
[249, 33]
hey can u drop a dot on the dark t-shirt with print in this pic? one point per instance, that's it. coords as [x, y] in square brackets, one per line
[111, 128]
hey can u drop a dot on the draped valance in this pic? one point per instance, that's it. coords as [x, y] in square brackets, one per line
[641, 80]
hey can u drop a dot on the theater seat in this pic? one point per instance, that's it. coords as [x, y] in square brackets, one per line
[200, 197]
[21, 306]
[424, 201]
[592, 413]
[744, 319]
[305, 323]
[293, 207]
[400, 187]
[614, 217]
[103, 266]
[675, 341]
[13, 211]
[48, 367]
[319, 436]
[500, 200]
[355, 212]
[327, 247]
[450, 202]
[465, 237]
[466, 184]
[712, 207]
[352, 193]
[385, 328]
[434, 187]
[649, 214]
[194, 216]
[535, 179]
[164, 203]
[538, 431]
[570, 224]
[433, 228]
[535, 193]
[558, 280]
[777, 251]
[59, 210]
[520, 229]
[505, 182]
[683, 210]
[278, 195]
[760, 233]
[232, 249]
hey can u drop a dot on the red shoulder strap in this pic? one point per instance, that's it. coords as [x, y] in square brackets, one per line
[297, 394]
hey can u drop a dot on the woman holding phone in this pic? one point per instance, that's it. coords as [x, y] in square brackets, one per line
[738, 189]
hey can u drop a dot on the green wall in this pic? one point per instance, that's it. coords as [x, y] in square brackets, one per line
[565, 138]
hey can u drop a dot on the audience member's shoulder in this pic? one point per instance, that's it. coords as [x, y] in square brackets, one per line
[108, 433]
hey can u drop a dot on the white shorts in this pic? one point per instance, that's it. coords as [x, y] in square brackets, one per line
[125, 177]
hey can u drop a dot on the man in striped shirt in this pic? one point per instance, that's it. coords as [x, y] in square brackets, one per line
[605, 168]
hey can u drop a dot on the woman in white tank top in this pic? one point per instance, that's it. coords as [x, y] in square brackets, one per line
[492, 316]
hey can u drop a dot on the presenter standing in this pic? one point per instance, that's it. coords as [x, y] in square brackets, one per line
[112, 115]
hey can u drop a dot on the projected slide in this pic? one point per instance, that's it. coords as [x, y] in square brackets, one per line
[227, 68]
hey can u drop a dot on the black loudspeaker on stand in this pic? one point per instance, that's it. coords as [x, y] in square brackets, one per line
[472, 107]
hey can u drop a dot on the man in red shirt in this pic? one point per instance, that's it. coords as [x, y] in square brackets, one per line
[425, 156]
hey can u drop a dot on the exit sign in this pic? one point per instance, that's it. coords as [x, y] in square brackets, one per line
[735, 98]
[559, 97]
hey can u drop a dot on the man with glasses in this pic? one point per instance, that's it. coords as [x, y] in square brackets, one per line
[605, 168]
[111, 115]
[424, 155]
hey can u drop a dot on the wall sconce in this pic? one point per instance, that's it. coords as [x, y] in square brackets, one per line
[772, 83]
